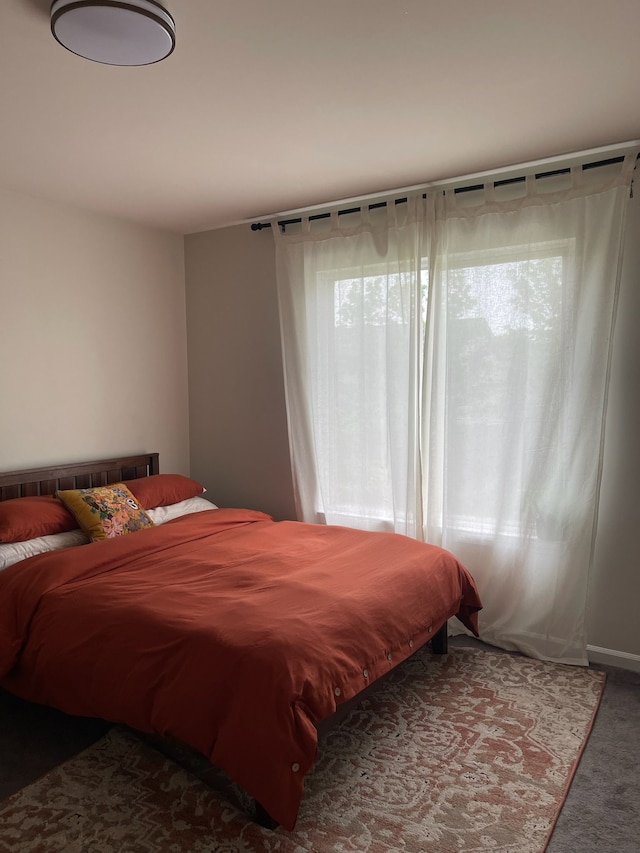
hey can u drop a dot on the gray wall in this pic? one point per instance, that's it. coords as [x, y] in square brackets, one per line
[613, 620]
[238, 425]
[239, 442]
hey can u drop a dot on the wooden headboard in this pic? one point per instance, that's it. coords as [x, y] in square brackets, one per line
[77, 475]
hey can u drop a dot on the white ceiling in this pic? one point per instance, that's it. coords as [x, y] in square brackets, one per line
[271, 105]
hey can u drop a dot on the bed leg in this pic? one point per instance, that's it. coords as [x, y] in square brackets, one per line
[263, 818]
[440, 641]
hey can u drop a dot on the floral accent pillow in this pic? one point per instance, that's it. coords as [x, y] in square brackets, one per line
[105, 511]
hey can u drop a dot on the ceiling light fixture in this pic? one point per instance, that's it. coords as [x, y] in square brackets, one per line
[136, 32]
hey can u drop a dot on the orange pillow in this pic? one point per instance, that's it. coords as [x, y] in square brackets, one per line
[164, 489]
[26, 518]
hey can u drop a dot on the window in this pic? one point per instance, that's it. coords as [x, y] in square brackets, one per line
[372, 314]
[506, 330]
[505, 322]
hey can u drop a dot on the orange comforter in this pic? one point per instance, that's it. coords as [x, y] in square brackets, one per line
[226, 630]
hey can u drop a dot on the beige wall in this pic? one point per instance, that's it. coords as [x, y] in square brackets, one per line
[92, 337]
[238, 422]
[239, 444]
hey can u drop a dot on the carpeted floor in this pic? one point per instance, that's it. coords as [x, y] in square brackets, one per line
[602, 810]
[498, 777]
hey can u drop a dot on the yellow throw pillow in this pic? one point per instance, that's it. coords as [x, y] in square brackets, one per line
[106, 511]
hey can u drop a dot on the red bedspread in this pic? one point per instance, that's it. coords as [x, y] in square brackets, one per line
[226, 630]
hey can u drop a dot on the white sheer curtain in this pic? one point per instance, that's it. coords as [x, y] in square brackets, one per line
[350, 305]
[446, 366]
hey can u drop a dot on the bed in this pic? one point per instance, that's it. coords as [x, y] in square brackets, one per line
[219, 628]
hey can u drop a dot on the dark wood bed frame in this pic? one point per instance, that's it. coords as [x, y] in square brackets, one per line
[83, 475]
[77, 475]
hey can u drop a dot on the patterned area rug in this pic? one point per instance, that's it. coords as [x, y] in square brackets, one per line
[468, 753]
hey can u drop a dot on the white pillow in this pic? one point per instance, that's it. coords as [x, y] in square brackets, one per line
[15, 551]
[161, 514]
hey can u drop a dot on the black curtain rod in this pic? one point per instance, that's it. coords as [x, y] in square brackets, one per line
[258, 226]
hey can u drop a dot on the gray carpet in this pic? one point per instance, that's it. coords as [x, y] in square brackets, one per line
[601, 814]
